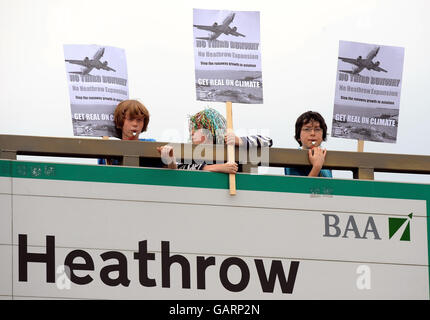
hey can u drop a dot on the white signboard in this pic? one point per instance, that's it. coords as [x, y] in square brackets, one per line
[227, 56]
[97, 78]
[367, 98]
[95, 234]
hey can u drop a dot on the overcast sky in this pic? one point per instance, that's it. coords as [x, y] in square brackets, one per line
[299, 46]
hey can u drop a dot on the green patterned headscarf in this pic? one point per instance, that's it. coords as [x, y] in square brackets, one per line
[210, 120]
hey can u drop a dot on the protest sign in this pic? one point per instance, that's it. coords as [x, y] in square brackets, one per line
[97, 78]
[367, 98]
[227, 56]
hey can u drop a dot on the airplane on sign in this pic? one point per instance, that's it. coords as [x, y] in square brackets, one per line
[216, 29]
[363, 63]
[90, 64]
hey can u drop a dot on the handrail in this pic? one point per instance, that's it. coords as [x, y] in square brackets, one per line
[362, 164]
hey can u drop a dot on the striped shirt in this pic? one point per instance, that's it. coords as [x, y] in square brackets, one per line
[253, 141]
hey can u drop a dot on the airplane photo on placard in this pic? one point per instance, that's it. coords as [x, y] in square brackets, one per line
[227, 56]
[90, 64]
[96, 86]
[361, 63]
[218, 29]
[367, 95]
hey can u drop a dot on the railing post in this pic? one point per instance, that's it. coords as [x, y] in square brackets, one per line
[8, 154]
[364, 174]
[130, 161]
[250, 168]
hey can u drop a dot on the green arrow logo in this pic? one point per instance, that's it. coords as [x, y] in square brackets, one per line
[394, 224]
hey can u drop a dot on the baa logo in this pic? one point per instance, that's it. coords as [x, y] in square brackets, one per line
[335, 227]
[394, 225]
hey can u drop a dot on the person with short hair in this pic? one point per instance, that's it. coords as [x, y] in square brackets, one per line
[131, 118]
[311, 131]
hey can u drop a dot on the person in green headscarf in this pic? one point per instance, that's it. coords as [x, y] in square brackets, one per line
[209, 124]
[209, 127]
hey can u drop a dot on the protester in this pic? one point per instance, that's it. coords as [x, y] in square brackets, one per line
[209, 127]
[311, 131]
[131, 119]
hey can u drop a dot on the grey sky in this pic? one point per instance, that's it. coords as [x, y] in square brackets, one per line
[299, 46]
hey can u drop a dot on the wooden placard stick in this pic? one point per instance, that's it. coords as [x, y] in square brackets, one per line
[230, 148]
[360, 146]
[108, 160]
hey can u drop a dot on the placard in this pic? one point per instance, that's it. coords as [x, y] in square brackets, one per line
[228, 56]
[367, 97]
[97, 78]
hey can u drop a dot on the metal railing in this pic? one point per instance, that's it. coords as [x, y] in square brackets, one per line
[131, 153]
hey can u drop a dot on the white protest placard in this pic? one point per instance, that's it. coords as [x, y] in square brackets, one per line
[97, 78]
[367, 97]
[227, 56]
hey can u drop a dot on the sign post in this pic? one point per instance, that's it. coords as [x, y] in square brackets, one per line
[228, 62]
[230, 148]
[360, 145]
[108, 160]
